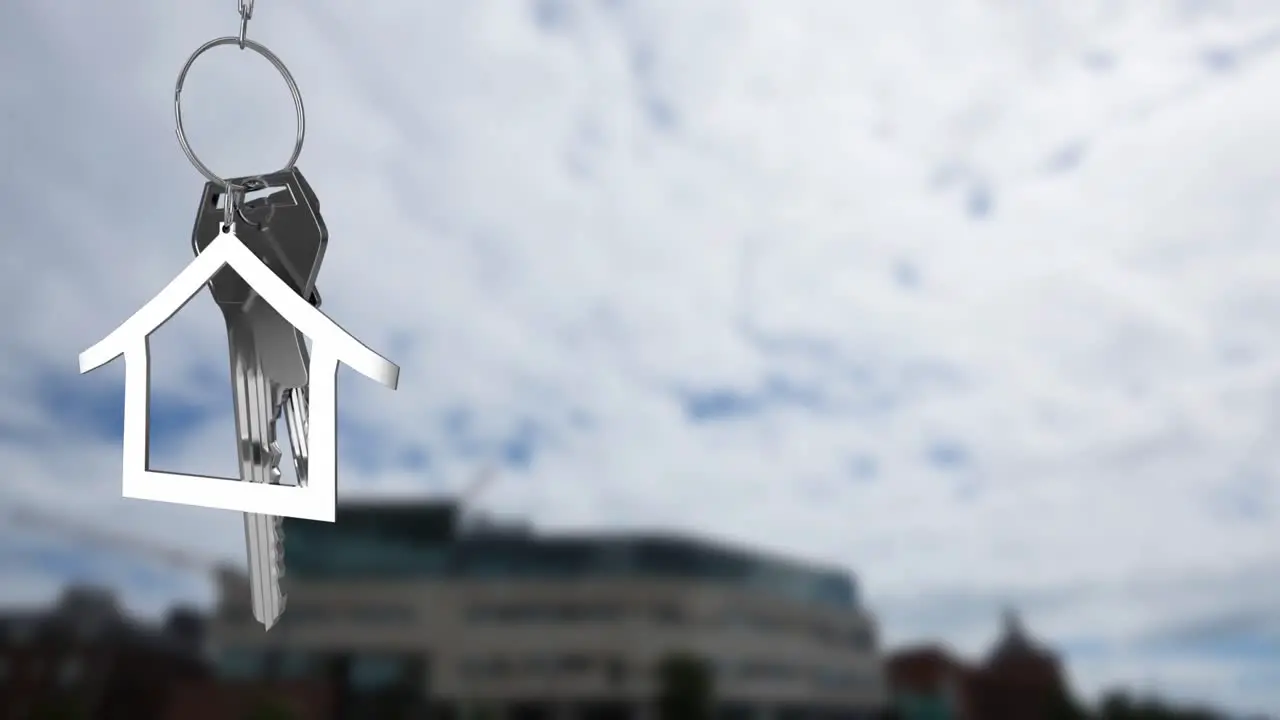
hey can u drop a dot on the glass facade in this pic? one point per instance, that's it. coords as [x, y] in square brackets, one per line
[377, 672]
[394, 542]
[241, 664]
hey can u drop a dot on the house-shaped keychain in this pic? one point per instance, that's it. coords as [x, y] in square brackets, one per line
[330, 345]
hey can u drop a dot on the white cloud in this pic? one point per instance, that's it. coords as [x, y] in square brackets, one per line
[1037, 236]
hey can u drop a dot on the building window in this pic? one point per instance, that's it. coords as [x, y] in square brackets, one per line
[376, 672]
[486, 668]
[768, 671]
[616, 671]
[308, 614]
[590, 613]
[382, 614]
[539, 665]
[298, 665]
[861, 638]
[70, 672]
[575, 664]
[832, 679]
[242, 664]
[237, 613]
[669, 615]
[22, 632]
[566, 613]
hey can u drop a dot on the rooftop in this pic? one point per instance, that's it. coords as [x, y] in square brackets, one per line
[385, 539]
[92, 615]
[1015, 644]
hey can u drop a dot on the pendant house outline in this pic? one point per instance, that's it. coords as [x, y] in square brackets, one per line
[330, 344]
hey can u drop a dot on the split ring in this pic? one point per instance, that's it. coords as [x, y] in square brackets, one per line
[284, 72]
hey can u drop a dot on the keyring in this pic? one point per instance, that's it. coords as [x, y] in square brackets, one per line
[284, 71]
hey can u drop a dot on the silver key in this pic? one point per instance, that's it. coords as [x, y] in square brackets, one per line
[269, 359]
[253, 334]
[258, 401]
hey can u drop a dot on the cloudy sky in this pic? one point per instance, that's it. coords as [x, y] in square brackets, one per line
[978, 298]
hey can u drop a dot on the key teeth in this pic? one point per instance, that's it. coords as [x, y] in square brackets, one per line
[274, 455]
[280, 571]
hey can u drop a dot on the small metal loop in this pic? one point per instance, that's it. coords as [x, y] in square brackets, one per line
[245, 219]
[284, 72]
[246, 14]
[229, 203]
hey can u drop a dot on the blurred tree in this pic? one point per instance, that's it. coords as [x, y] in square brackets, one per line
[686, 688]
[59, 709]
[891, 713]
[1118, 705]
[270, 709]
[402, 701]
[1064, 707]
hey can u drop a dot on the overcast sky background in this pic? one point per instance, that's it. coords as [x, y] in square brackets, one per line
[979, 298]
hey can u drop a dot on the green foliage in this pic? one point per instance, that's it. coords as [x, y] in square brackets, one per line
[59, 708]
[270, 709]
[401, 702]
[686, 688]
[1118, 705]
[1064, 707]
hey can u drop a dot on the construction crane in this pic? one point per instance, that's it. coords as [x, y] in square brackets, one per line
[481, 482]
[64, 527]
[67, 527]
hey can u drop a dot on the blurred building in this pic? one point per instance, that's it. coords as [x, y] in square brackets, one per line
[84, 658]
[401, 611]
[1020, 679]
[929, 683]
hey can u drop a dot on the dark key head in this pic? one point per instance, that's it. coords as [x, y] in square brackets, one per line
[283, 228]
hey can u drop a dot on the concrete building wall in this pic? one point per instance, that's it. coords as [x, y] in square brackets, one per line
[614, 633]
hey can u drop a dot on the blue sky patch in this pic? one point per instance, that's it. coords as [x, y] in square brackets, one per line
[775, 391]
[947, 455]
[718, 404]
[980, 202]
[1220, 60]
[550, 15]
[864, 468]
[97, 409]
[89, 407]
[1067, 158]
[61, 562]
[413, 457]
[516, 449]
[906, 275]
[519, 448]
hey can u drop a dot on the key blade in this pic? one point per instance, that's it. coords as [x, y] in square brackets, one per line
[258, 404]
[264, 543]
[253, 402]
[296, 412]
[281, 348]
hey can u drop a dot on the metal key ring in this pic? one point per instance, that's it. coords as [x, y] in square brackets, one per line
[284, 71]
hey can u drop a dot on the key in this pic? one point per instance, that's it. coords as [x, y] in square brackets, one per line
[270, 226]
[268, 356]
[258, 401]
